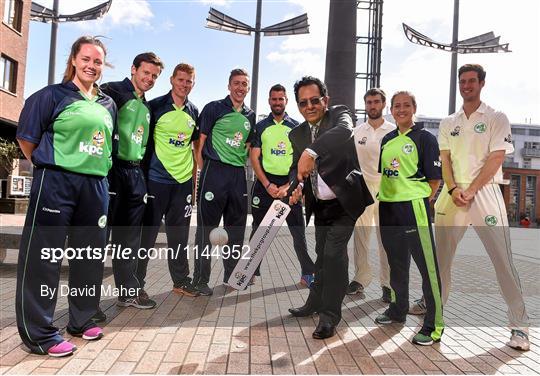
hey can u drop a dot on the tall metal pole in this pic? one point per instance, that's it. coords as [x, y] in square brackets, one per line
[256, 50]
[340, 69]
[52, 51]
[453, 64]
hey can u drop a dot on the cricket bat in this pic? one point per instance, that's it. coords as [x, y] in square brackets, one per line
[261, 240]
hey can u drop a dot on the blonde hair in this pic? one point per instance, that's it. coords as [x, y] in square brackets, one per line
[69, 73]
[184, 67]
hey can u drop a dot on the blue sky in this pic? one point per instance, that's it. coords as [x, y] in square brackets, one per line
[174, 29]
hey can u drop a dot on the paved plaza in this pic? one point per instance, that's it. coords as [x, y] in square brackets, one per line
[251, 331]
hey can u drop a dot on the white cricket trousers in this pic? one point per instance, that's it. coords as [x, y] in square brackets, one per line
[362, 235]
[487, 214]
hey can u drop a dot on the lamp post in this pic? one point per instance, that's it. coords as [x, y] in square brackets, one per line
[42, 14]
[484, 43]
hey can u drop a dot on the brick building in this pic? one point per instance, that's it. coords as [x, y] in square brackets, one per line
[15, 15]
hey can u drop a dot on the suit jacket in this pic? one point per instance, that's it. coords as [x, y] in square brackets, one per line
[337, 161]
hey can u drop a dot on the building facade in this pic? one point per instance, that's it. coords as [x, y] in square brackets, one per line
[15, 15]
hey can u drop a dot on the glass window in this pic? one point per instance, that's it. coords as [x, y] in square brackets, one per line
[8, 74]
[530, 197]
[13, 13]
[534, 132]
[532, 145]
[519, 131]
[526, 162]
[513, 202]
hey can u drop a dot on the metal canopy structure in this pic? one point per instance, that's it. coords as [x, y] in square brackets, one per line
[220, 21]
[40, 13]
[484, 43]
[371, 45]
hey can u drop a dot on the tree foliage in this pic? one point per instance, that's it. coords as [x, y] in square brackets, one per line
[9, 151]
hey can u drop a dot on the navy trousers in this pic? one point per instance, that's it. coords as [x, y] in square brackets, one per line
[62, 205]
[261, 202]
[222, 193]
[173, 201]
[126, 209]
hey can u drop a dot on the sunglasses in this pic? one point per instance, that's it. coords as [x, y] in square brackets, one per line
[312, 101]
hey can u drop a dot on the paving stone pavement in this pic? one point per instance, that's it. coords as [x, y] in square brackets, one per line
[251, 332]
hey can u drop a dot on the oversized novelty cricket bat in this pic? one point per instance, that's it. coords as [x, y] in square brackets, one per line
[261, 241]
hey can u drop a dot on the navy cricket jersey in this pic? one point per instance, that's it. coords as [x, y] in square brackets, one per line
[273, 140]
[408, 160]
[172, 129]
[133, 121]
[72, 132]
[227, 131]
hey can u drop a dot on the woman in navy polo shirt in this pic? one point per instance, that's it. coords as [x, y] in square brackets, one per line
[66, 131]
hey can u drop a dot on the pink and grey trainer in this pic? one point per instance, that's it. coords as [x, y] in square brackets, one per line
[93, 334]
[64, 348]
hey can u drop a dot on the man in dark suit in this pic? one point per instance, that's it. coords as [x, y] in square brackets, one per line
[324, 158]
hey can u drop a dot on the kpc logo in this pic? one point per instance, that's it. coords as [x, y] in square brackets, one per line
[392, 172]
[180, 140]
[280, 150]
[236, 141]
[95, 147]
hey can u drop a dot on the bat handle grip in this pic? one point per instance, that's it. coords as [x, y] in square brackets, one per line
[292, 186]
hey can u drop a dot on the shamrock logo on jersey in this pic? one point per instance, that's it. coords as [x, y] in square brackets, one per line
[480, 128]
[508, 138]
[362, 141]
[247, 125]
[190, 123]
[102, 221]
[490, 220]
[407, 148]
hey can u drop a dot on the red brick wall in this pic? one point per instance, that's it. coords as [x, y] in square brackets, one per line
[14, 45]
[523, 173]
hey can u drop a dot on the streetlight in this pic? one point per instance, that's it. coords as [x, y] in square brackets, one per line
[46, 15]
[220, 21]
[484, 43]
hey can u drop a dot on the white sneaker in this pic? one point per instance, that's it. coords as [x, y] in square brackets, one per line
[519, 340]
[418, 308]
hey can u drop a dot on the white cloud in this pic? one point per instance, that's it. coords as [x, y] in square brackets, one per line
[305, 53]
[303, 62]
[217, 3]
[123, 13]
[513, 79]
